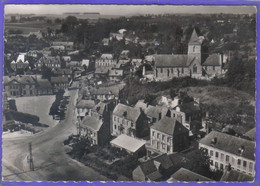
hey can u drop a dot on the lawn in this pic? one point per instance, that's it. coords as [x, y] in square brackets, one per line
[37, 105]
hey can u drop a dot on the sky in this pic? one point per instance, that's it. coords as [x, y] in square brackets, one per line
[126, 9]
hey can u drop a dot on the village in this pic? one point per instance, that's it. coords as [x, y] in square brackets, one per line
[139, 113]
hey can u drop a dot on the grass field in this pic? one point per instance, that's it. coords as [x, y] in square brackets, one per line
[37, 105]
[30, 26]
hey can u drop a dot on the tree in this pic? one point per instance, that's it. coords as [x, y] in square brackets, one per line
[46, 73]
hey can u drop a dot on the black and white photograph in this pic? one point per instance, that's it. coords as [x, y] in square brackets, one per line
[144, 93]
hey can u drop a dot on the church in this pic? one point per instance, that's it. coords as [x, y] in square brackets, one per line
[168, 66]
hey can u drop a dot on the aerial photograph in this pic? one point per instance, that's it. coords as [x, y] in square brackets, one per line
[146, 93]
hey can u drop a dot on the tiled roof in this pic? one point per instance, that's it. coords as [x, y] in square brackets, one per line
[165, 161]
[102, 70]
[169, 126]
[213, 60]
[230, 144]
[154, 112]
[148, 167]
[235, 176]
[127, 142]
[92, 123]
[85, 104]
[130, 112]
[164, 60]
[186, 175]
[59, 80]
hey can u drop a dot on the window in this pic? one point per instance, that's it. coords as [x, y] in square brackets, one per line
[115, 118]
[227, 158]
[213, 67]
[239, 162]
[211, 162]
[222, 156]
[216, 165]
[195, 68]
[168, 148]
[115, 127]
[182, 70]
[168, 140]
[158, 135]
[153, 133]
[211, 153]
[132, 124]
[250, 167]
[244, 163]
[163, 146]
[216, 154]
[163, 137]
[161, 70]
[206, 67]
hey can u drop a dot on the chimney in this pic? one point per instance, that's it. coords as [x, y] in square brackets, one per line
[214, 141]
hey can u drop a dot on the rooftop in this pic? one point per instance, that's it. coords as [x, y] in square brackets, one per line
[128, 112]
[92, 123]
[107, 56]
[251, 133]
[230, 144]
[164, 60]
[186, 175]
[169, 126]
[44, 83]
[129, 143]
[85, 104]
[213, 60]
[236, 176]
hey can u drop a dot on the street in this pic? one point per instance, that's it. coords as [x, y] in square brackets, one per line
[51, 163]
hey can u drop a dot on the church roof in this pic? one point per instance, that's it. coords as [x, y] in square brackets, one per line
[213, 60]
[194, 39]
[171, 60]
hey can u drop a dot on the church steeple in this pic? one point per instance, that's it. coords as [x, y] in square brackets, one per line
[194, 48]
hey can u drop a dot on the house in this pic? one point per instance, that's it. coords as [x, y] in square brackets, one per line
[124, 54]
[85, 62]
[155, 169]
[188, 176]
[16, 86]
[181, 65]
[59, 83]
[136, 63]
[141, 105]
[189, 114]
[62, 73]
[66, 58]
[48, 61]
[73, 65]
[128, 120]
[115, 74]
[167, 136]
[43, 87]
[106, 60]
[132, 145]
[102, 71]
[103, 93]
[156, 113]
[117, 36]
[66, 44]
[20, 63]
[226, 150]
[169, 102]
[94, 129]
[83, 108]
[235, 176]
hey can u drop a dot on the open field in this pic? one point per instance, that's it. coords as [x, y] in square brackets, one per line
[37, 105]
[28, 27]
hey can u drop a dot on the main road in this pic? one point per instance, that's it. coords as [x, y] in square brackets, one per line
[51, 162]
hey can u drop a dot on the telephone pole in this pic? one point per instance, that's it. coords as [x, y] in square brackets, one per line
[30, 157]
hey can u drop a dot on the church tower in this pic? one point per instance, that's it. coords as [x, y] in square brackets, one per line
[194, 48]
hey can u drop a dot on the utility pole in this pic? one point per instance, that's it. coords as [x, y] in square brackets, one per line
[30, 157]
